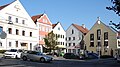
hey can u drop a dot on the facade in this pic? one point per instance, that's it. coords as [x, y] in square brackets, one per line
[44, 25]
[101, 39]
[61, 34]
[19, 30]
[74, 35]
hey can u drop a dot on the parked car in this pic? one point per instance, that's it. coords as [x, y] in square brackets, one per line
[92, 56]
[71, 56]
[35, 56]
[13, 53]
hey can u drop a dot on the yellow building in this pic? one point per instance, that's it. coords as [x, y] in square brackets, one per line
[101, 39]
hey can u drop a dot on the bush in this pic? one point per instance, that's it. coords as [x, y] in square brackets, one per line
[2, 51]
[106, 56]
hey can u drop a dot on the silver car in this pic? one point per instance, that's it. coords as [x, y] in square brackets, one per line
[35, 56]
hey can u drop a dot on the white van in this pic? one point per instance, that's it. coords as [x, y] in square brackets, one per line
[117, 55]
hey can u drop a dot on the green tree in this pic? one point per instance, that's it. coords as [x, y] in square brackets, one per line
[51, 41]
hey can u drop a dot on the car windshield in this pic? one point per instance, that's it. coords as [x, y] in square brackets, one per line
[12, 50]
[38, 53]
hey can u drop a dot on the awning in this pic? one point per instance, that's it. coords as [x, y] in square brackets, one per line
[71, 47]
[61, 46]
[77, 46]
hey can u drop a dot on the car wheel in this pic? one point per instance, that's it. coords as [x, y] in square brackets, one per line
[42, 60]
[24, 58]
[16, 57]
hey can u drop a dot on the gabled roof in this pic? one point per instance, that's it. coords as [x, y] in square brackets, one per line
[81, 28]
[53, 25]
[34, 18]
[1, 7]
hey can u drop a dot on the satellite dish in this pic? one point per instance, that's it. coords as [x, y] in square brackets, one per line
[3, 35]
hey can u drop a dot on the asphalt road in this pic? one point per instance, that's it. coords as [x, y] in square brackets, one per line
[59, 63]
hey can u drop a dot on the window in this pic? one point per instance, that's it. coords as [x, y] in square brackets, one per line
[0, 44]
[16, 43]
[17, 32]
[69, 50]
[58, 28]
[30, 46]
[10, 44]
[91, 44]
[73, 44]
[99, 44]
[30, 34]
[23, 33]
[58, 36]
[105, 43]
[69, 38]
[91, 37]
[66, 38]
[72, 31]
[98, 34]
[16, 20]
[23, 21]
[119, 43]
[74, 51]
[66, 44]
[69, 44]
[9, 18]
[63, 43]
[10, 30]
[73, 38]
[105, 35]
[61, 36]
[1, 29]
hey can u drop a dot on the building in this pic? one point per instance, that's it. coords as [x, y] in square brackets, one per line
[101, 39]
[59, 31]
[44, 25]
[19, 30]
[74, 36]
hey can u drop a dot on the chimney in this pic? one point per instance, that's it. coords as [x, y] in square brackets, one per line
[83, 25]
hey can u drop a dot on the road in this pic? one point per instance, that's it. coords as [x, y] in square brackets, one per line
[59, 63]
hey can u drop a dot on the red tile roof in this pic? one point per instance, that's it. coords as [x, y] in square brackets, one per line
[81, 28]
[34, 18]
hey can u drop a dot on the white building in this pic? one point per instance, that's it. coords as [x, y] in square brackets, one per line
[74, 35]
[61, 34]
[22, 33]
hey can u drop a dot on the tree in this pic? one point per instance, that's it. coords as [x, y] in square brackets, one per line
[51, 41]
[116, 9]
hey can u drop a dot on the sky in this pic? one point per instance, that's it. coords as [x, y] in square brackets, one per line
[70, 11]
